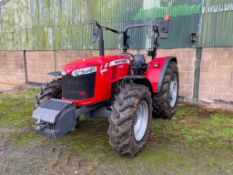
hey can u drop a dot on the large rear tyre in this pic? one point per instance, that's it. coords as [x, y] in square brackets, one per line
[50, 90]
[130, 120]
[164, 102]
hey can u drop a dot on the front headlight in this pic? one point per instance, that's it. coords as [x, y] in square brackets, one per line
[84, 71]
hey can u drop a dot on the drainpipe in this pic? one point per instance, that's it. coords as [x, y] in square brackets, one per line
[54, 60]
[25, 67]
[197, 74]
[198, 57]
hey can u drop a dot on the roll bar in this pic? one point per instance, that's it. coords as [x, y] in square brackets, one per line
[159, 28]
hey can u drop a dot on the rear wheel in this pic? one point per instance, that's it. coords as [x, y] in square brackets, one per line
[164, 102]
[130, 120]
[50, 90]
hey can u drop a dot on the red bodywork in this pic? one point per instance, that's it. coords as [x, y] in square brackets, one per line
[111, 69]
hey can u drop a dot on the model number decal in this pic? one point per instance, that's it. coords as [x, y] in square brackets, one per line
[117, 62]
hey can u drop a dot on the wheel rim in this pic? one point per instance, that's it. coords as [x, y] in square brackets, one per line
[173, 91]
[142, 116]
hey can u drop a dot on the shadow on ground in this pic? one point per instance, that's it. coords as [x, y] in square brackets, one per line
[196, 141]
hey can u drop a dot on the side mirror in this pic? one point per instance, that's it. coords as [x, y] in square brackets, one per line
[164, 27]
[96, 31]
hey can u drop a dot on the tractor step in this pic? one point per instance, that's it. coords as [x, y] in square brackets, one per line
[55, 118]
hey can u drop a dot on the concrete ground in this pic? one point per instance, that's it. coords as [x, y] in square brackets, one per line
[196, 141]
[7, 87]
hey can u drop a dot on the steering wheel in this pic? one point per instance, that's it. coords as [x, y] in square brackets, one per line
[130, 54]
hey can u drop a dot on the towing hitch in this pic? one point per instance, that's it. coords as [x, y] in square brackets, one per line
[55, 118]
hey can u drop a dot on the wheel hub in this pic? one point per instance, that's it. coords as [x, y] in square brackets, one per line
[173, 91]
[141, 123]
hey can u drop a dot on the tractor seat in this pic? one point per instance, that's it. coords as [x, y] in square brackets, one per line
[138, 64]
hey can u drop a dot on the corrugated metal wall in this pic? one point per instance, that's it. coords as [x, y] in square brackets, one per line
[217, 23]
[57, 24]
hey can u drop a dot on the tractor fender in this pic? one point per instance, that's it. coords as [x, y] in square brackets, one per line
[162, 74]
[138, 79]
[155, 75]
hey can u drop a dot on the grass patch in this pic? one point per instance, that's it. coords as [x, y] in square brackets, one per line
[16, 108]
[191, 125]
[196, 137]
[25, 138]
[197, 127]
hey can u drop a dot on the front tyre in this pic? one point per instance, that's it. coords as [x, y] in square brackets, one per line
[130, 120]
[52, 89]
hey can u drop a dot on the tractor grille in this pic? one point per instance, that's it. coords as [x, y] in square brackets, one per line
[78, 88]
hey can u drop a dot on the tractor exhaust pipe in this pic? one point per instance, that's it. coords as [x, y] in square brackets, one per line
[101, 43]
[98, 33]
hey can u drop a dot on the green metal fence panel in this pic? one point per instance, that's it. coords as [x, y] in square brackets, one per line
[7, 26]
[57, 24]
[217, 23]
[217, 2]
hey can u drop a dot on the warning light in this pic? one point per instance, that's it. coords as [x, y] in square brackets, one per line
[167, 18]
[156, 65]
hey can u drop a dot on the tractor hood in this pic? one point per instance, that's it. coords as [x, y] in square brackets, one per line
[90, 61]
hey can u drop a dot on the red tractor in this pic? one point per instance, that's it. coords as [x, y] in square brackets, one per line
[123, 88]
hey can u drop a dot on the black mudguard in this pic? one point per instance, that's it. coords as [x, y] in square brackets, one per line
[162, 74]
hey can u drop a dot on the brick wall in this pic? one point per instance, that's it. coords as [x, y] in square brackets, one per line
[12, 67]
[216, 81]
[64, 57]
[39, 63]
[37, 72]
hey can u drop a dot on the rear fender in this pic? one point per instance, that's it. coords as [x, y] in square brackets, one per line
[156, 71]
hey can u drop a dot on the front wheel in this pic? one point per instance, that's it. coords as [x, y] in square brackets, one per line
[52, 89]
[130, 120]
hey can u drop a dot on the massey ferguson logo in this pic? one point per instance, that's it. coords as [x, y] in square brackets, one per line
[117, 62]
[103, 68]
